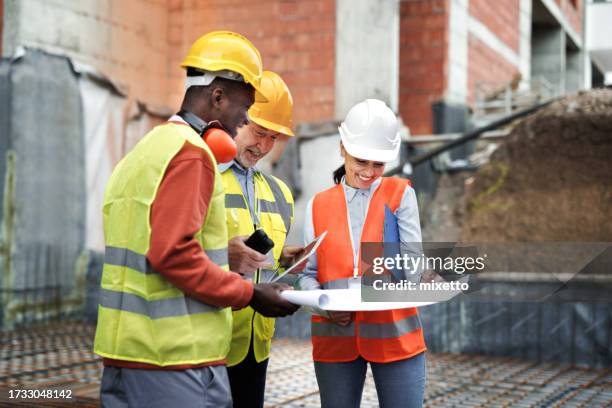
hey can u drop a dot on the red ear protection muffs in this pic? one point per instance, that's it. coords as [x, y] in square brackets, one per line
[215, 136]
[221, 144]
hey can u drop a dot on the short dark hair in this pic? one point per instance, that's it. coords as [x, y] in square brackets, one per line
[201, 91]
[194, 72]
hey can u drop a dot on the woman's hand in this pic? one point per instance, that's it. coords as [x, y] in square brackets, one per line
[290, 255]
[341, 318]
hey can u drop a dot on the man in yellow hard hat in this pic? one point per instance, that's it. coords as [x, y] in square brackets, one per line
[164, 319]
[253, 201]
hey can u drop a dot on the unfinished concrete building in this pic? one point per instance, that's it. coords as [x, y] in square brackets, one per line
[82, 81]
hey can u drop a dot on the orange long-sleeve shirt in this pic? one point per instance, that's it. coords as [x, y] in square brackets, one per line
[177, 214]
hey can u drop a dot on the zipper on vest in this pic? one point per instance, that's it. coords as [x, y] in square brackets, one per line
[252, 334]
[252, 339]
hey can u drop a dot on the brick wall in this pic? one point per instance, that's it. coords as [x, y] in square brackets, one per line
[486, 66]
[501, 17]
[296, 40]
[140, 43]
[423, 57]
[139, 48]
[111, 36]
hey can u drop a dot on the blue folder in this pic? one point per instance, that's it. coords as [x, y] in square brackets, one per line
[391, 230]
[391, 239]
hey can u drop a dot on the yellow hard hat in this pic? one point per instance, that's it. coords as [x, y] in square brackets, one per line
[276, 113]
[227, 51]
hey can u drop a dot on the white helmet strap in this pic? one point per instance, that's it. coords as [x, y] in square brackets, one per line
[208, 76]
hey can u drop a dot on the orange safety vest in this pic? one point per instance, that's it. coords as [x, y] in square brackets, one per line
[381, 336]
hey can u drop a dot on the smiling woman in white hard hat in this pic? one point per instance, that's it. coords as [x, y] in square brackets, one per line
[353, 212]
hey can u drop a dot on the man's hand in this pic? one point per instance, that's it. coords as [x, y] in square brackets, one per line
[267, 300]
[243, 259]
[341, 318]
[290, 254]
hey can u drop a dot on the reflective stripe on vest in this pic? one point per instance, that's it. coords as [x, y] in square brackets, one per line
[280, 205]
[337, 284]
[142, 317]
[380, 336]
[154, 309]
[125, 257]
[235, 201]
[128, 258]
[275, 205]
[344, 283]
[389, 330]
[368, 330]
[330, 329]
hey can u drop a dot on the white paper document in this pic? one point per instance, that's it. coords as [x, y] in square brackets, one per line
[342, 300]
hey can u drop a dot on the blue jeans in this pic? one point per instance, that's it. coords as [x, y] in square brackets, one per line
[398, 384]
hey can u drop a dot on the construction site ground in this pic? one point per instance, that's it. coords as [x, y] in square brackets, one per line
[59, 356]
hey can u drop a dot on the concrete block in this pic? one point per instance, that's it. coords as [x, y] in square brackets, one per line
[525, 39]
[368, 57]
[95, 37]
[548, 55]
[33, 24]
[574, 71]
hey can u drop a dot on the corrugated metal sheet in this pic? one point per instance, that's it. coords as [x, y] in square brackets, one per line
[64, 127]
[44, 191]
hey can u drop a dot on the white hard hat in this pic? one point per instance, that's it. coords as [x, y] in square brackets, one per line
[370, 131]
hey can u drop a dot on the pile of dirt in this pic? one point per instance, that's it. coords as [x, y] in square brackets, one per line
[441, 218]
[551, 180]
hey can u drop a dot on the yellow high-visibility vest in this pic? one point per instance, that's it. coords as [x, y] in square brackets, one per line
[275, 213]
[142, 317]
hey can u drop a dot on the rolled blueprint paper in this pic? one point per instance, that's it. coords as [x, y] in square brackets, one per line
[310, 298]
[342, 300]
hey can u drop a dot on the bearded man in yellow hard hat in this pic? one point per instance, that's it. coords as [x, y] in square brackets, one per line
[257, 201]
[164, 319]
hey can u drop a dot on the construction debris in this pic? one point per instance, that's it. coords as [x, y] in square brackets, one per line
[551, 179]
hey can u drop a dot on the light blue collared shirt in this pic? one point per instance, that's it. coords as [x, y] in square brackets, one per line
[246, 179]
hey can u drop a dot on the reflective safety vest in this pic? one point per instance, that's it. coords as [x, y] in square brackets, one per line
[142, 317]
[380, 336]
[275, 214]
